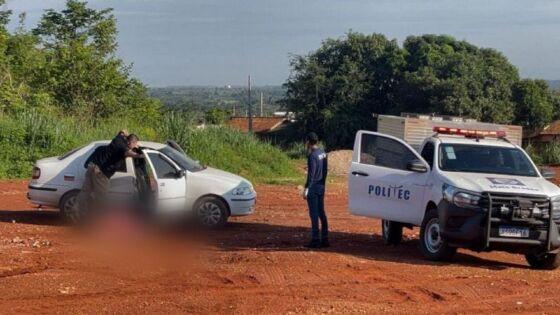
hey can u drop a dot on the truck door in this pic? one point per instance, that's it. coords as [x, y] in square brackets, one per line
[170, 181]
[387, 179]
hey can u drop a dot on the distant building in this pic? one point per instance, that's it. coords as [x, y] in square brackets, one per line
[547, 134]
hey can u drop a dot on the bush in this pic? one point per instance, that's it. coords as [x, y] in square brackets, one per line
[31, 135]
[546, 154]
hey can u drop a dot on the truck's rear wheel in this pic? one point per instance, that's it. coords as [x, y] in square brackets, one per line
[391, 232]
[546, 261]
[433, 246]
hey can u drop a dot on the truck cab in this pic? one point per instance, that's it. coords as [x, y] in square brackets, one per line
[464, 188]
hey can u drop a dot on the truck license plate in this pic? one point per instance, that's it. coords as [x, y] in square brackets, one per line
[511, 231]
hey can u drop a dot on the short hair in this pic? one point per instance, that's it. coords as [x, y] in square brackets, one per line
[312, 138]
[132, 137]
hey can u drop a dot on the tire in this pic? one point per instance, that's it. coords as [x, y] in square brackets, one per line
[431, 243]
[391, 232]
[211, 212]
[69, 207]
[546, 261]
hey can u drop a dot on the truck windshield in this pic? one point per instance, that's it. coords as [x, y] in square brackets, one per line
[182, 160]
[484, 159]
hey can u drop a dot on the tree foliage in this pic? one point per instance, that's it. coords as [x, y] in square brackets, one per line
[335, 89]
[68, 64]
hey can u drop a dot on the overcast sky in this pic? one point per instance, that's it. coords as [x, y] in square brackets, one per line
[212, 42]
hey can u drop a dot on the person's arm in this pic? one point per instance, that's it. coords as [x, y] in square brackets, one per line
[311, 169]
[134, 155]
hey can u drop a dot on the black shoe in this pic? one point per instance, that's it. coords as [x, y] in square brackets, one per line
[313, 244]
[325, 243]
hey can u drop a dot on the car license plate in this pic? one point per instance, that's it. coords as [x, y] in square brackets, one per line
[512, 231]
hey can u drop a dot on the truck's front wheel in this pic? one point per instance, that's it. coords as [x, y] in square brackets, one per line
[391, 232]
[433, 246]
[546, 261]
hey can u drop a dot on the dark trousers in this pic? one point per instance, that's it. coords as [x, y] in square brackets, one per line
[316, 203]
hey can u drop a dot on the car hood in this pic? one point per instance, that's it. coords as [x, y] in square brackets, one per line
[223, 176]
[480, 182]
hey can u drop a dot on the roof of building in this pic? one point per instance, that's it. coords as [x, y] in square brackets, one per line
[260, 124]
[551, 129]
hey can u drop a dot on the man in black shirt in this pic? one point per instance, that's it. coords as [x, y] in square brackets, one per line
[102, 165]
[315, 191]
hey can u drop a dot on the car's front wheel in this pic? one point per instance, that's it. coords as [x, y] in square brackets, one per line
[433, 246]
[546, 261]
[69, 207]
[211, 212]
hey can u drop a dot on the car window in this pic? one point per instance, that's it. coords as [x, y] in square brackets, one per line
[382, 151]
[428, 153]
[67, 154]
[162, 167]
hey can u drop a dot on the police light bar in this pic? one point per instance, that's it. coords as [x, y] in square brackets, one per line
[470, 133]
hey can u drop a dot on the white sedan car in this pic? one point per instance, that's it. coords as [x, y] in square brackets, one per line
[167, 176]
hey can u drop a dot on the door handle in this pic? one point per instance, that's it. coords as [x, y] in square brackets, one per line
[162, 184]
[357, 173]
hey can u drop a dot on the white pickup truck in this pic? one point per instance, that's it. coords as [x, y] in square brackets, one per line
[464, 188]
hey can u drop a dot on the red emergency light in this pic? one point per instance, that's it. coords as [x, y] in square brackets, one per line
[470, 133]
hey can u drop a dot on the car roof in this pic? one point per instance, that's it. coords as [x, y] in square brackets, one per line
[146, 144]
[472, 141]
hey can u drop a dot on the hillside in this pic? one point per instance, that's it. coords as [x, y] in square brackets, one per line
[204, 97]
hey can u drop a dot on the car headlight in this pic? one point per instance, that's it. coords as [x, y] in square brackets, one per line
[460, 198]
[241, 191]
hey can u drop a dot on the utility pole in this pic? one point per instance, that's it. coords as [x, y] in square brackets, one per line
[262, 115]
[250, 127]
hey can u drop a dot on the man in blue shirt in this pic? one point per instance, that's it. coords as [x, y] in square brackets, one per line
[315, 192]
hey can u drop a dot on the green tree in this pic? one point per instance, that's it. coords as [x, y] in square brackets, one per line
[216, 116]
[534, 103]
[335, 89]
[82, 73]
[447, 76]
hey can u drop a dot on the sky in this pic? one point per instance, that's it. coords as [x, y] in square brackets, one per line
[213, 42]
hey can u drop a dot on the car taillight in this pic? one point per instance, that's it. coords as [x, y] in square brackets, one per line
[36, 173]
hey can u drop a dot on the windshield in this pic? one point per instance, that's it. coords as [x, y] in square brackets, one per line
[484, 159]
[182, 160]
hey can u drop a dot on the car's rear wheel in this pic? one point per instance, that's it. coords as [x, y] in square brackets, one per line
[546, 261]
[211, 212]
[433, 246]
[69, 207]
[391, 232]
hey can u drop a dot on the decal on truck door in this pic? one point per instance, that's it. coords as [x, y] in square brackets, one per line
[389, 192]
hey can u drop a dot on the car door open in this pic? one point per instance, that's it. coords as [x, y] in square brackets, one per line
[387, 179]
[170, 181]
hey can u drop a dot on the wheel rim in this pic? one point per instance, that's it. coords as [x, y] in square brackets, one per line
[209, 213]
[385, 228]
[71, 209]
[432, 236]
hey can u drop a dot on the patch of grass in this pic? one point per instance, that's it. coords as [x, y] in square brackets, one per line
[28, 136]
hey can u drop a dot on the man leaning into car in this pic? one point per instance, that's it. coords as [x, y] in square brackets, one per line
[101, 166]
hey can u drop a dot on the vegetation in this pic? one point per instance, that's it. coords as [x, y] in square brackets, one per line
[336, 89]
[203, 98]
[61, 86]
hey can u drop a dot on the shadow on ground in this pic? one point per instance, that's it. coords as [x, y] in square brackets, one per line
[271, 237]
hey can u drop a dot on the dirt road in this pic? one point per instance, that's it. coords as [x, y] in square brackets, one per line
[256, 265]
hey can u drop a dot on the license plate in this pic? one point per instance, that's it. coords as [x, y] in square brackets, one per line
[511, 231]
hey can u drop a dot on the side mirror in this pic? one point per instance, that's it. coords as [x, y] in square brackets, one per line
[548, 173]
[416, 166]
[180, 173]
